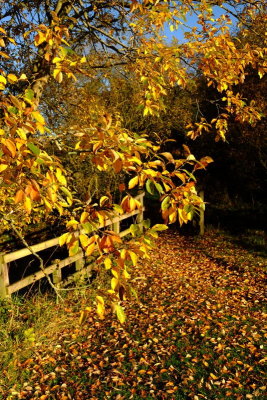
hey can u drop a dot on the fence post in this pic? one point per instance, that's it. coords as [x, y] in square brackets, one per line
[201, 216]
[79, 264]
[57, 276]
[4, 278]
[140, 216]
[116, 227]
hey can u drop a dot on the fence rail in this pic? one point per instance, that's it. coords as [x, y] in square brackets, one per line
[81, 269]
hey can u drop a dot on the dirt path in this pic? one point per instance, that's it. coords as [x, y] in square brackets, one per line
[197, 333]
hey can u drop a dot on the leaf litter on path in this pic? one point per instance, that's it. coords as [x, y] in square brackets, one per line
[198, 332]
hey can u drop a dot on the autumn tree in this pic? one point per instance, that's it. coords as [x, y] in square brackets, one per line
[237, 178]
[81, 41]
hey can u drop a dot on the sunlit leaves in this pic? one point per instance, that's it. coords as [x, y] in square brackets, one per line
[63, 238]
[133, 182]
[36, 182]
[100, 308]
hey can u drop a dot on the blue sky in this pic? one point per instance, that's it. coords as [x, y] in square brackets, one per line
[192, 21]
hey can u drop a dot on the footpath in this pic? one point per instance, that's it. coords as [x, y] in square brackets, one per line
[197, 332]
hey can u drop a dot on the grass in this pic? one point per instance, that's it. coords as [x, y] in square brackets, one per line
[198, 333]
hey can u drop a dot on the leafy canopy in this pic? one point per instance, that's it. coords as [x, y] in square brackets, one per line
[83, 41]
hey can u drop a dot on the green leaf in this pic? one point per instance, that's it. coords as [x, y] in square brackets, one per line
[87, 227]
[189, 174]
[74, 248]
[34, 149]
[66, 191]
[29, 94]
[134, 292]
[150, 187]
[134, 229]
[159, 188]
[118, 209]
[146, 223]
[66, 50]
[12, 110]
[40, 161]
[159, 227]
[165, 203]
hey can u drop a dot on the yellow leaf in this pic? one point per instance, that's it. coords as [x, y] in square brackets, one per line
[5, 55]
[38, 117]
[23, 77]
[59, 208]
[69, 238]
[56, 60]
[101, 218]
[115, 273]
[12, 78]
[81, 319]
[123, 254]
[125, 274]
[61, 178]
[133, 182]
[100, 300]
[134, 257]
[114, 283]
[28, 205]
[132, 204]
[3, 167]
[84, 217]
[100, 309]
[103, 200]
[48, 205]
[84, 240]
[57, 74]
[21, 133]
[39, 38]
[11, 40]
[2, 79]
[72, 223]
[107, 263]
[120, 314]
[213, 376]
[63, 238]
[173, 217]
[90, 249]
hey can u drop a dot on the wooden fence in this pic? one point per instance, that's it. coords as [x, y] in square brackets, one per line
[81, 269]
